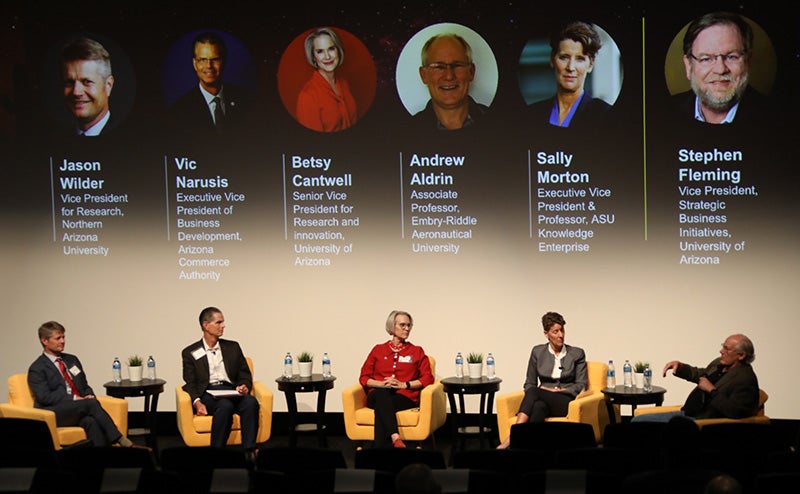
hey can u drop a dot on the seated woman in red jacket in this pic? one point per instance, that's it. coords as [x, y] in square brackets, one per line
[393, 375]
[325, 103]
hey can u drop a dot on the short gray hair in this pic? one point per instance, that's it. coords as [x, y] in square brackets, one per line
[393, 317]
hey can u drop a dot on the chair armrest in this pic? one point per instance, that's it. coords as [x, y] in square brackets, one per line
[432, 406]
[185, 412]
[117, 409]
[265, 400]
[507, 408]
[24, 412]
[662, 409]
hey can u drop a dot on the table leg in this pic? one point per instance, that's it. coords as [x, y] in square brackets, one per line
[612, 415]
[323, 439]
[454, 419]
[481, 415]
[291, 404]
[489, 405]
[151, 410]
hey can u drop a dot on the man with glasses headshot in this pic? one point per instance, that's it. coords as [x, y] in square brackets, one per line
[212, 105]
[717, 53]
[726, 388]
[447, 69]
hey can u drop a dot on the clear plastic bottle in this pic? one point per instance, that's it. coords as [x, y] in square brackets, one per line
[326, 365]
[611, 378]
[116, 370]
[459, 365]
[287, 366]
[627, 372]
[151, 368]
[648, 379]
[490, 372]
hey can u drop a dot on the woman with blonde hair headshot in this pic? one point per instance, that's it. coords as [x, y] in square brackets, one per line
[325, 103]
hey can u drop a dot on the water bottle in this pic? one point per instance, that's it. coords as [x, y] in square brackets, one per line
[611, 377]
[151, 368]
[459, 365]
[627, 371]
[490, 373]
[326, 365]
[287, 366]
[116, 370]
[648, 379]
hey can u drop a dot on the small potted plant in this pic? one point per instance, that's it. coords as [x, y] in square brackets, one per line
[638, 373]
[475, 365]
[135, 368]
[305, 362]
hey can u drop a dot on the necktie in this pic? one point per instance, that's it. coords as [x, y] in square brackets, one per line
[67, 377]
[219, 114]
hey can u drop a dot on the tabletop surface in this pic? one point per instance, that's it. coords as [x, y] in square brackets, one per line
[472, 383]
[621, 392]
[128, 384]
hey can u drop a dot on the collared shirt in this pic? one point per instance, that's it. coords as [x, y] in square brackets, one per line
[555, 112]
[53, 359]
[210, 100]
[557, 364]
[216, 367]
[698, 112]
[97, 128]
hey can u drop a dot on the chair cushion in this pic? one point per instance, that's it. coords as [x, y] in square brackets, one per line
[70, 435]
[202, 424]
[406, 418]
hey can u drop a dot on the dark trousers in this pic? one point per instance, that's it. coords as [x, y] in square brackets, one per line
[539, 404]
[222, 410]
[386, 403]
[91, 416]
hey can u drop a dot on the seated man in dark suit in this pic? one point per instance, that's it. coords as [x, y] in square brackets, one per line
[217, 364]
[58, 383]
[211, 105]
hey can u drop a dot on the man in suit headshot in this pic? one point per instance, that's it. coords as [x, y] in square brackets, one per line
[58, 383]
[717, 55]
[87, 84]
[212, 105]
[217, 364]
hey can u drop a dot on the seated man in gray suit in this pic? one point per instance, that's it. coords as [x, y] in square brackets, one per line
[58, 383]
[213, 363]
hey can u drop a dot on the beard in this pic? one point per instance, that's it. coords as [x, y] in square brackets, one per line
[725, 102]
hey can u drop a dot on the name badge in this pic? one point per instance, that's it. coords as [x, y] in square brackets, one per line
[199, 353]
[405, 360]
[74, 370]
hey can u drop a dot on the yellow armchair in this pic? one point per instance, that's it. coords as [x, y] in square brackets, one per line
[759, 418]
[588, 407]
[20, 405]
[415, 424]
[196, 431]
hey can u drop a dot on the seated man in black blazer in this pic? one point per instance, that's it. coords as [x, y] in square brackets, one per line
[217, 364]
[58, 383]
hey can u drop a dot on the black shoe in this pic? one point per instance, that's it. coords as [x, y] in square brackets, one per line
[250, 458]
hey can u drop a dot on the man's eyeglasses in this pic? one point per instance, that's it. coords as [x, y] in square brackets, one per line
[441, 67]
[705, 60]
[208, 61]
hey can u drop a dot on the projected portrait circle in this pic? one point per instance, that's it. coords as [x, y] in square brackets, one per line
[208, 82]
[88, 85]
[446, 76]
[327, 79]
[571, 76]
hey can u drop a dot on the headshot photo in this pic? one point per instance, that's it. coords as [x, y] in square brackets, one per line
[209, 81]
[720, 68]
[327, 79]
[89, 85]
[572, 78]
[447, 77]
